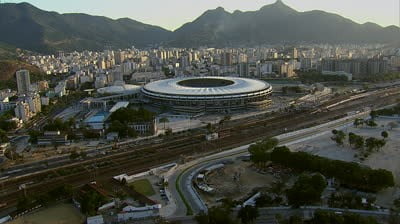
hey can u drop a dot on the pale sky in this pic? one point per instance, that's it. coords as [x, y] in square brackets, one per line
[171, 14]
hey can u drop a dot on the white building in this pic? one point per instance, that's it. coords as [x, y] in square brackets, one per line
[35, 105]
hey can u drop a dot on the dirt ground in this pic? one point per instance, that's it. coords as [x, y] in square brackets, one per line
[226, 186]
[58, 214]
[387, 158]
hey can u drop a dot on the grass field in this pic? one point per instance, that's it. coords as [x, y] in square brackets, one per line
[143, 186]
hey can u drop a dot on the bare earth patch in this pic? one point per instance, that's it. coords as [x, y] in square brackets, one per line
[58, 214]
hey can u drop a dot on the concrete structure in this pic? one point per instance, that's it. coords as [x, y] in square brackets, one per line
[149, 127]
[5, 104]
[208, 94]
[52, 138]
[23, 81]
[96, 121]
[95, 220]
[119, 88]
[35, 104]
[22, 111]
[118, 106]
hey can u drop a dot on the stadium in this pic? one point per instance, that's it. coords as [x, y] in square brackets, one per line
[208, 94]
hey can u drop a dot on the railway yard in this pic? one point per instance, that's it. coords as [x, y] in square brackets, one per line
[136, 157]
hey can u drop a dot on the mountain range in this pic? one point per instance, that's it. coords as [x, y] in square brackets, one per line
[25, 26]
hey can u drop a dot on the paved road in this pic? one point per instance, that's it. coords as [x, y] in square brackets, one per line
[186, 172]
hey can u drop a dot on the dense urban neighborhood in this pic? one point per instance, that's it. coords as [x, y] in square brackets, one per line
[182, 127]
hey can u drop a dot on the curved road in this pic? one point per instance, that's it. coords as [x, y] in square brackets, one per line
[184, 174]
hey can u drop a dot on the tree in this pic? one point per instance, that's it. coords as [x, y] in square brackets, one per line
[371, 123]
[351, 175]
[374, 144]
[338, 137]
[260, 152]
[164, 120]
[248, 214]
[373, 114]
[215, 215]
[90, 202]
[393, 125]
[324, 217]
[359, 142]
[356, 141]
[358, 122]
[3, 136]
[33, 136]
[168, 132]
[385, 134]
[352, 138]
[295, 220]
[306, 191]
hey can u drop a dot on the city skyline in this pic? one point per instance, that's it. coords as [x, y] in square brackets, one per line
[172, 14]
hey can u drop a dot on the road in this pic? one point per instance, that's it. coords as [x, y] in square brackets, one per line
[184, 175]
[132, 159]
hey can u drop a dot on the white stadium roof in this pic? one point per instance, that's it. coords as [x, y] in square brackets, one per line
[119, 89]
[237, 87]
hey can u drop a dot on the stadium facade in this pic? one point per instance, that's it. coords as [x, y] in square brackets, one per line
[195, 95]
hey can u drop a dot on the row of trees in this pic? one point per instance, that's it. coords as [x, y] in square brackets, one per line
[59, 125]
[349, 174]
[124, 117]
[386, 112]
[312, 77]
[128, 115]
[123, 129]
[381, 77]
[370, 123]
[359, 142]
[324, 217]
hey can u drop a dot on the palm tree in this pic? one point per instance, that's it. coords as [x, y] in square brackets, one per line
[164, 120]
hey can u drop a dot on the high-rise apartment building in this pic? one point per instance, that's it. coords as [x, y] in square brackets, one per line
[35, 105]
[226, 59]
[23, 81]
[22, 111]
[243, 69]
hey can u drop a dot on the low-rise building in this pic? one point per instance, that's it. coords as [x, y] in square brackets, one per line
[52, 138]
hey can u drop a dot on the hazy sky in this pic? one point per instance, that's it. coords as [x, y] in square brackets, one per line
[171, 14]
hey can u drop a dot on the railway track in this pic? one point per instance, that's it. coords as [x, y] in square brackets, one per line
[141, 158]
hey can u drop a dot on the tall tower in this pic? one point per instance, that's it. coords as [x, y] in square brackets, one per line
[23, 81]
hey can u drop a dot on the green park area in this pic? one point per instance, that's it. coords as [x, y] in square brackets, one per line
[143, 186]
